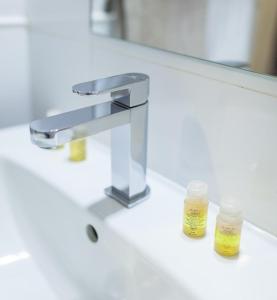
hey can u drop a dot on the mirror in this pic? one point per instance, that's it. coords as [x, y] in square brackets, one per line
[237, 33]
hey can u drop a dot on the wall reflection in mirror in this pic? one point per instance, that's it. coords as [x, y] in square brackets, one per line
[238, 33]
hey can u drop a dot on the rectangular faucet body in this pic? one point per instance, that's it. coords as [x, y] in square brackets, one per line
[129, 158]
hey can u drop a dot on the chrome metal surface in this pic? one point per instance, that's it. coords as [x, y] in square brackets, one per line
[57, 130]
[129, 89]
[121, 197]
[126, 115]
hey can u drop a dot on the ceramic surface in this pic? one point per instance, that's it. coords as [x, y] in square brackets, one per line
[46, 204]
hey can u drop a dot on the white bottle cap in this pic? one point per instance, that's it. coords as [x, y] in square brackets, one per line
[231, 207]
[197, 189]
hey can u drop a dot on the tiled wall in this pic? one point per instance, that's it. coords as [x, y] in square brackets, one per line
[206, 121]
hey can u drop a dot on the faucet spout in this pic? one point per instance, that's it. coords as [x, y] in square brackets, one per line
[57, 130]
[127, 117]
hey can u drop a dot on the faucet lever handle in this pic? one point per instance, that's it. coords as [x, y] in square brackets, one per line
[130, 89]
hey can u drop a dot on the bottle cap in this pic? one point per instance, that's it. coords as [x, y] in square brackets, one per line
[79, 131]
[197, 189]
[231, 207]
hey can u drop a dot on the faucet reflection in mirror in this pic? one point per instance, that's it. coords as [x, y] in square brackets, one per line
[126, 114]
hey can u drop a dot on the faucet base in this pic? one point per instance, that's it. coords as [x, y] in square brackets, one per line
[127, 201]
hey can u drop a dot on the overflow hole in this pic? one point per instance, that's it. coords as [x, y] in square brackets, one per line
[92, 233]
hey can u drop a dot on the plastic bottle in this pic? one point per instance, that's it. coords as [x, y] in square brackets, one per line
[228, 228]
[196, 209]
[78, 147]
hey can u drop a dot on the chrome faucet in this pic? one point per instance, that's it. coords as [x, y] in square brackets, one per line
[126, 115]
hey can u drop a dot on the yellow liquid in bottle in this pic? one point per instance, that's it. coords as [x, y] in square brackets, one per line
[195, 218]
[227, 240]
[78, 150]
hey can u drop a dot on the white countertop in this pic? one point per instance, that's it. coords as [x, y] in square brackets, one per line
[154, 227]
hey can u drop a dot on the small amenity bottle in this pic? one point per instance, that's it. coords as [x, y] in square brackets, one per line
[228, 228]
[77, 147]
[196, 209]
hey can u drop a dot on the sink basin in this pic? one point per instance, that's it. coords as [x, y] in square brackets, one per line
[54, 237]
[62, 238]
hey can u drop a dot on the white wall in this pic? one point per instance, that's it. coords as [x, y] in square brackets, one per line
[13, 8]
[206, 121]
[15, 103]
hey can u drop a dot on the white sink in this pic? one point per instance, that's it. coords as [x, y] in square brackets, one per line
[46, 203]
[53, 232]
